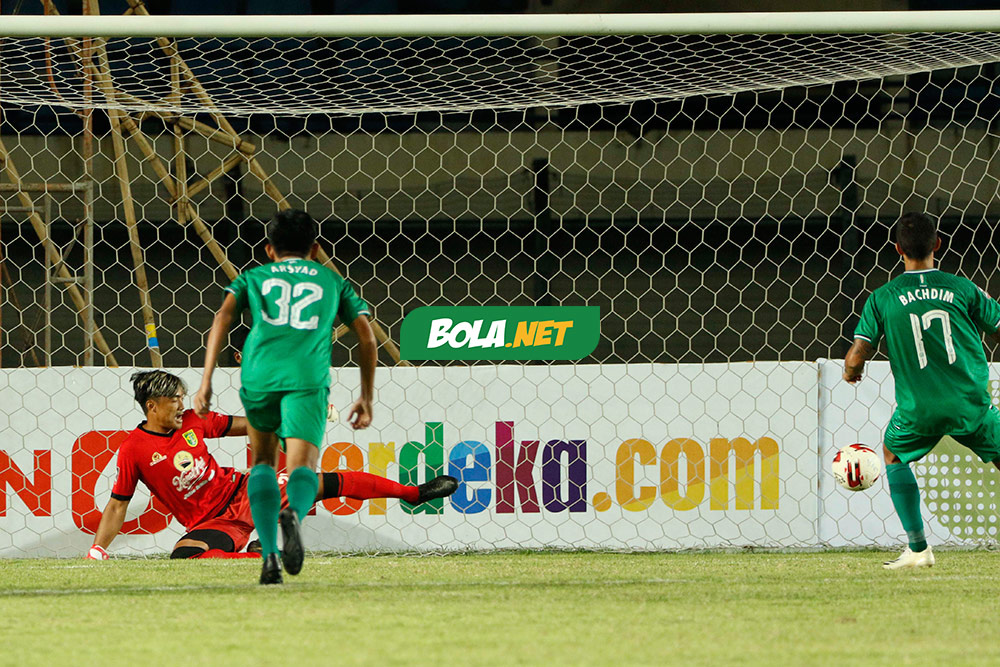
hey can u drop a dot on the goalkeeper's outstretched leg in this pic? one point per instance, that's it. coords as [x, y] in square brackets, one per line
[226, 535]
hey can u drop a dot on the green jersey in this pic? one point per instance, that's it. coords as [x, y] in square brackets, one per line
[933, 323]
[293, 303]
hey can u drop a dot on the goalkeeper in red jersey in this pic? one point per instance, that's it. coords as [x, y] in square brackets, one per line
[167, 452]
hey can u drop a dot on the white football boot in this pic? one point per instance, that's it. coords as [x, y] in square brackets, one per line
[911, 559]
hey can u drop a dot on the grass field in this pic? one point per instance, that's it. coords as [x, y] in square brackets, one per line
[506, 608]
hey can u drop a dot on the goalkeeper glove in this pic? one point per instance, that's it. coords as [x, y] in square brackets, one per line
[97, 553]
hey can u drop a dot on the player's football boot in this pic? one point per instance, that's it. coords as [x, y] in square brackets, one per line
[254, 547]
[270, 573]
[911, 559]
[439, 487]
[292, 551]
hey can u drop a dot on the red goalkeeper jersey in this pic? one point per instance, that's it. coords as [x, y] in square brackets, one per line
[178, 469]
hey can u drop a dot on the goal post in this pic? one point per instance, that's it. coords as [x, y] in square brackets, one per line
[722, 186]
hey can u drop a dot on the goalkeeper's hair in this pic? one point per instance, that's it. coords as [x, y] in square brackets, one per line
[292, 232]
[155, 384]
[916, 234]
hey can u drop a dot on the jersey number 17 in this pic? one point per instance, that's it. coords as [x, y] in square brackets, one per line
[920, 323]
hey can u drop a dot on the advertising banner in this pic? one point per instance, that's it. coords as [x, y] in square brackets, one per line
[639, 456]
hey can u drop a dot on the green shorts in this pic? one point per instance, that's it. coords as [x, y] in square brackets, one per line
[984, 440]
[291, 414]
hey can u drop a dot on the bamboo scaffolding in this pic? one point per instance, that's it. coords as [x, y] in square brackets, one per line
[103, 72]
[191, 212]
[253, 164]
[207, 180]
[199, 91]
[154, 110]
[177, 187]
[180, 158]
[136, 133]
[39, 226]
[46, 189]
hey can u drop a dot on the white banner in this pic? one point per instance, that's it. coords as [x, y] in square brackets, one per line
[625, 457]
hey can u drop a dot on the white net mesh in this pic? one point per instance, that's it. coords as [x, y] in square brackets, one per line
[723, 199]
[289, 77]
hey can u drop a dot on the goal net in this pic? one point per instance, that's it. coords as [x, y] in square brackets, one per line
[725, 199]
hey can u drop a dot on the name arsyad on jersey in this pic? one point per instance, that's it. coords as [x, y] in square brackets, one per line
[294, 268]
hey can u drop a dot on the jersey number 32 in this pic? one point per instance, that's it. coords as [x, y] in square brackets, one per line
[291, 302]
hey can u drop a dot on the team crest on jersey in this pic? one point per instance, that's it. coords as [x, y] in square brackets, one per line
[157, 457]
[183, 460]
[190, 438]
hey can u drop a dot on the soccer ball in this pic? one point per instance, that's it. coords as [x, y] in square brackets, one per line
[856, 467]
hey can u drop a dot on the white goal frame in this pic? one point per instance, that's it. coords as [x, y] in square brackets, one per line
[542, 25]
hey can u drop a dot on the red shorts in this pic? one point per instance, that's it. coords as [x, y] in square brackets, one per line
[236, 520]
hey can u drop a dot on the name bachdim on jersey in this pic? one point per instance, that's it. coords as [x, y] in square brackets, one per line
[927, 293]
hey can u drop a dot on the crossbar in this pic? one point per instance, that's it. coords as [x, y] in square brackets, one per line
[502, 24]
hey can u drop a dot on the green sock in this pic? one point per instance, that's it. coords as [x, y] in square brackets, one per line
[906, 499]
[265, 503]
[301, 489]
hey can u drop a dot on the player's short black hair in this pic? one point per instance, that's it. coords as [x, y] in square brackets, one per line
[916, 234]
[155, 384]
[292, 232]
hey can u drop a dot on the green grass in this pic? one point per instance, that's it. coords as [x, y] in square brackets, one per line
[506, 608]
